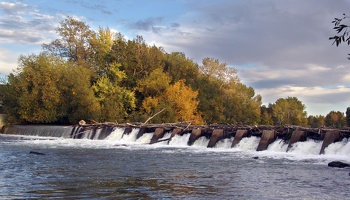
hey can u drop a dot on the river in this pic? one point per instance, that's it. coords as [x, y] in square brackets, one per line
[126, 168]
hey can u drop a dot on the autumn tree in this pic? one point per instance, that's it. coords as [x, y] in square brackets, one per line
[184, 101]
[47, 90]
[104, 77]
[179, 101]
[74, 42]
[35, 87]
[316, 121]
[289, 111]
[335, 119]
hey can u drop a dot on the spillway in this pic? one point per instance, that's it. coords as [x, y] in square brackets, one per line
[289, 138]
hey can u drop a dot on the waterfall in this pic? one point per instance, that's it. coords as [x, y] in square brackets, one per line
[39, 130]
[119, 135]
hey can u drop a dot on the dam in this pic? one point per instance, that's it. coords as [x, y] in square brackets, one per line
[164, 133]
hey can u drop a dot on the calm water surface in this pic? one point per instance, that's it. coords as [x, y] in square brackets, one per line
[86, 169]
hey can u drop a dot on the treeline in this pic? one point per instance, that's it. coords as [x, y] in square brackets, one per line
[100, 76]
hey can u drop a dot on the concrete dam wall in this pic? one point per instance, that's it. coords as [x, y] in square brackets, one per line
[214, 133]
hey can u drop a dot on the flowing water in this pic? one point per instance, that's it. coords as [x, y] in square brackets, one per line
[125, 168]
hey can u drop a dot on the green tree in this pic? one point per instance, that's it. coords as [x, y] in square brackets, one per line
[101, 44]
[348, 116]
[36, 89]
[74, 43]
[115, 100]
[154, 84]
[46, 89]
[289, 111]
[211, 100]
[78, 100]
[241, 105]
[181, 68]
[213, 69]
[140, 60]
[212, 96]
[316, 121]
[266, 115]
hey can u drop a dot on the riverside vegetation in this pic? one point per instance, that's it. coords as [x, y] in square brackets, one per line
[101, 76]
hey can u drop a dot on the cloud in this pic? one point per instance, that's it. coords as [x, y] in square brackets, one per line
[7, 59]
[25, 24]
[149, 24]
[93, 6]
[13, 8]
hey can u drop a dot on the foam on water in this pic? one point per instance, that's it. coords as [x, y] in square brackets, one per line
[308, 150]
[179, 141]
[116, 134]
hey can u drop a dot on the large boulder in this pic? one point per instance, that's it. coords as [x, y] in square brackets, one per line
[338, 164]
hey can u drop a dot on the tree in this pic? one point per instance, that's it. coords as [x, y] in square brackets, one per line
[46, 89]
[35, 87]
[179, 67]
[78, 100]
[180, 104]
[101, 44]
[241, 105]
[348, 116]
[115, 100]
[211, 100]
[140, 60]
[266, 115]
[289, 111]
[154, 84]
[213, 84]
[316, 121]
[183, 101]
[74, 44]
[335, 119]
[215, 70]
[343, 34]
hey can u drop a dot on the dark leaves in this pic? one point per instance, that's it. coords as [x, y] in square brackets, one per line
[342, 31]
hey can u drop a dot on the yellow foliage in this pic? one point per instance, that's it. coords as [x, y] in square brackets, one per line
[149, 103]
[183, 101]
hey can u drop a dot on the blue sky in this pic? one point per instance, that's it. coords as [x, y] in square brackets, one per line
[280, 48]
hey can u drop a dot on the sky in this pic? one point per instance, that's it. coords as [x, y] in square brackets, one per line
[280, 48]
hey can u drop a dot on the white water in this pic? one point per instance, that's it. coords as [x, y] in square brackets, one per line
[299, 151]
[246, 147]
